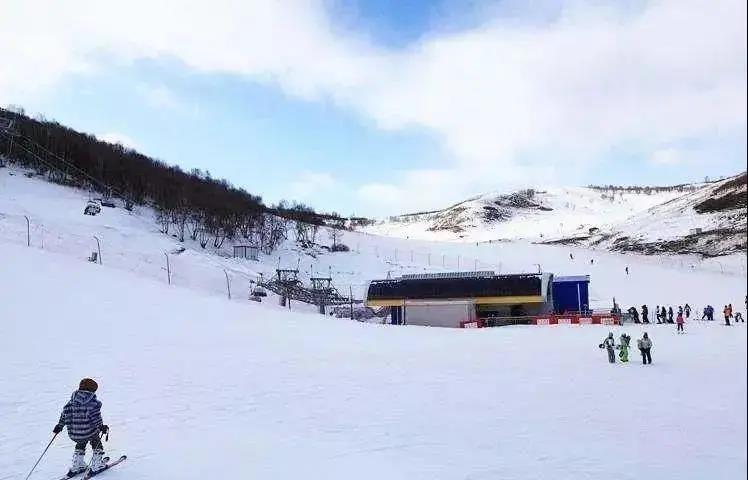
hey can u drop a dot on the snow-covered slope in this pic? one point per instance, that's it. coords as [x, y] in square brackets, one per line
[640, 215]
[195, 387]
[710, 221]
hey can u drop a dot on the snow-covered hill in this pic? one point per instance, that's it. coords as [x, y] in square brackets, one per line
[195, 386]
[567, 214]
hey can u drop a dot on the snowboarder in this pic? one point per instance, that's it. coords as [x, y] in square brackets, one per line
[669, 314]
[82, 416]
[609, 344]
[679, 321]
[645, 347]
[645, 314]
[624, 348]
[687, 309]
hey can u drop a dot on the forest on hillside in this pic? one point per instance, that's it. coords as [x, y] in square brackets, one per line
[188, 204]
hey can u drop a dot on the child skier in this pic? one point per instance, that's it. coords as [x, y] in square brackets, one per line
[82, 416]
[624, 348]
[645, 347]
[609, 344]
[687, 309]
[679, 321]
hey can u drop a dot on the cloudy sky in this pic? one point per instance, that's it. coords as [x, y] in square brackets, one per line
[383, 106]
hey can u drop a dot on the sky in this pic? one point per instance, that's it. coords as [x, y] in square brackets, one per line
[382, 107]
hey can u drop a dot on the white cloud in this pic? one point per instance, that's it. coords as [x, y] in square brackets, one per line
[310, 185]
[593, 78]
[667, 156]
[159, 96]
[118, 138]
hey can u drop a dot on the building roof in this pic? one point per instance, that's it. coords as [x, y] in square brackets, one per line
[515, 285]
[572, 278]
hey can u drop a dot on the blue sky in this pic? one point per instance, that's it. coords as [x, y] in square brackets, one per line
[381, 107]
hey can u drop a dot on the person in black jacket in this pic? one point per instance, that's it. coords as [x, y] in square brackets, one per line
[670, 315]
[645, 314]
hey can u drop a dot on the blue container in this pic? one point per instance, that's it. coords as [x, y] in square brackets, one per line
[571, 294]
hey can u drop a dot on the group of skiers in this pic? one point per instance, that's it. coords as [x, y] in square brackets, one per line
[727, 311]
[662, 315]
[644, 344]
[668, 315]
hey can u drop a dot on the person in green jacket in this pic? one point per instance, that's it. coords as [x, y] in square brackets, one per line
[624, 347]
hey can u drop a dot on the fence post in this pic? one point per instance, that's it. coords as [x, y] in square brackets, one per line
[168, 268]
[350, 297]
[98, 247]
[28, 231]
[228, 284]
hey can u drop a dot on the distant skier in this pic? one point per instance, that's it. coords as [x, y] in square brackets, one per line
[634, 314]
[627, 270]
[609, 344]
[82, 416]
[645, 314]
[592, 261]
[679, 321]
[624, 347]
[739, 317]
[571, 256]
[645, 347]
[687, 309]
[680, 310]
[728, 313]
[669, 314]
[657, 313]
[663, 314]
[711, 313]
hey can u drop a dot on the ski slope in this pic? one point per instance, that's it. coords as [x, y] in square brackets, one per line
[195, 386]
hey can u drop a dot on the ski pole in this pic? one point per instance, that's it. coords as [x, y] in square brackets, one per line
[42, 456]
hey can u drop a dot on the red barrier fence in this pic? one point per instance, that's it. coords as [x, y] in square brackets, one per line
[551, 319]
[577, 320]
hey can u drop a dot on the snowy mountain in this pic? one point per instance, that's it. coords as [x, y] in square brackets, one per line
[196, 384]
[598, 216]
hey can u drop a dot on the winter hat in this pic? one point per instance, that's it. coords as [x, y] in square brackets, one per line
[645, 335]
[88, 384]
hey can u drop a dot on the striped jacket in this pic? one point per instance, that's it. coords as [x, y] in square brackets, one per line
[82, 415]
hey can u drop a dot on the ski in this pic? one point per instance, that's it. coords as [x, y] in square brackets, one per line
[69, 475]
[90, 474]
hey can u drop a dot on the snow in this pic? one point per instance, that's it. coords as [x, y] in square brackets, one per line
[195, 385]
[573, 211]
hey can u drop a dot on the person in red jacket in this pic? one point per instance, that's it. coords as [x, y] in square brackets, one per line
[679, 321]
